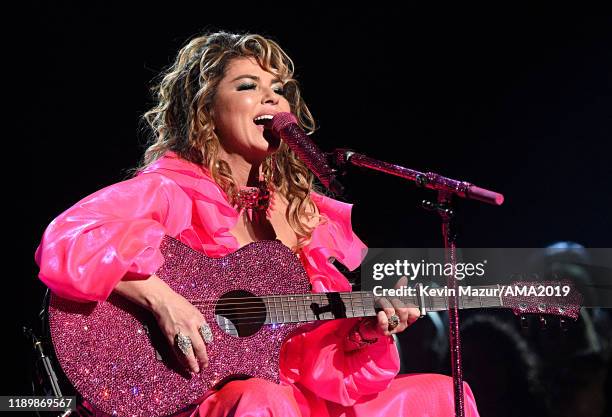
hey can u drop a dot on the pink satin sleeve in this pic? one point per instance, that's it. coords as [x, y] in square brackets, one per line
[116, 231]
[317, 361]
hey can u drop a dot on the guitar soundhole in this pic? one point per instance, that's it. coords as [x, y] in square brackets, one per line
[240, 313]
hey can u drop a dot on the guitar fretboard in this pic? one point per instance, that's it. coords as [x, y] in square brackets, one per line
[292, 308]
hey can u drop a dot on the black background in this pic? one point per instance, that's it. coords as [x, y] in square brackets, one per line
[515, 100]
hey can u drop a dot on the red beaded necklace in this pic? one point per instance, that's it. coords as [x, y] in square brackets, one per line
[254, 198]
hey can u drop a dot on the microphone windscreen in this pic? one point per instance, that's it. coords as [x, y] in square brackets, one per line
[281, 121]
[286, 127]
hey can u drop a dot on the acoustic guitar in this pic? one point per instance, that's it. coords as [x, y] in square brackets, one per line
[253, 299]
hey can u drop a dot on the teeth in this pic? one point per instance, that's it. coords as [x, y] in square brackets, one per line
[264, 117]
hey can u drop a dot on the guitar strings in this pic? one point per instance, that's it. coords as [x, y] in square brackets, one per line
[287, 314]
[282, 309]
[280, 304]
[276, 307]
[289, 318]
[286, 305]
[273, 307]
[318, 297]
[257, 303]
[301, 296]
[274, 299]
[240, 318]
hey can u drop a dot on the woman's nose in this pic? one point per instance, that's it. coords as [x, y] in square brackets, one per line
[269, 96]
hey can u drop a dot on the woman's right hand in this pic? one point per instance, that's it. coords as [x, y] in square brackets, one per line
[174, 315]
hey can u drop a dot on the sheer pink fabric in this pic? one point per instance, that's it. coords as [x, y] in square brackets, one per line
[115, 234]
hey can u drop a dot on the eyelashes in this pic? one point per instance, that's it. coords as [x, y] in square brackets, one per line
[242, 87]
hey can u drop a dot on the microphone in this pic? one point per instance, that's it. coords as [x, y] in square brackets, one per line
[286, 127]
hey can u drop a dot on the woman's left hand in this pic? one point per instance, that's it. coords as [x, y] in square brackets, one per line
[394, 306]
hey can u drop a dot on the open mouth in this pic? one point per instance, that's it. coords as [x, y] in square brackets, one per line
[263, 121]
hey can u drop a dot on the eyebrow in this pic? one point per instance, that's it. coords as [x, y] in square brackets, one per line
[256, 78]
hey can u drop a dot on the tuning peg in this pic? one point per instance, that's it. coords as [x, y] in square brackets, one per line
[543, 323]
[524, 321]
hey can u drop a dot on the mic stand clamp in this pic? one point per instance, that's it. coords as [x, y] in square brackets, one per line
[443, 209]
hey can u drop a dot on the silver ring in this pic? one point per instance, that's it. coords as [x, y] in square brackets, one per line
[184, 343]
[206, 333]
[393, 321]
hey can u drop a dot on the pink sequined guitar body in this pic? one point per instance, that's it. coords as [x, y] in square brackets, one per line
[253, 299]
[116, 358]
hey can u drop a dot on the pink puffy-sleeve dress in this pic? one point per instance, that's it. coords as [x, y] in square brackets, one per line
[116, 232]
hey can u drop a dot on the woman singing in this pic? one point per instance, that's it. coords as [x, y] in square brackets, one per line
[216, 180]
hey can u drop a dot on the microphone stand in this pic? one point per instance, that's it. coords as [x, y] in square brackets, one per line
[446, 187]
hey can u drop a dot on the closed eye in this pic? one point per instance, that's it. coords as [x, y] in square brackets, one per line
[242, 87]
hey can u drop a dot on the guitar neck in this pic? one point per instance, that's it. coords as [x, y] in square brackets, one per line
[292, 308]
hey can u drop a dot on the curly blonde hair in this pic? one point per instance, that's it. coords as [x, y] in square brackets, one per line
[181, 119]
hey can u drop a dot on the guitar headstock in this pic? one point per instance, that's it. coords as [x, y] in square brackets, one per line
[557, 298]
